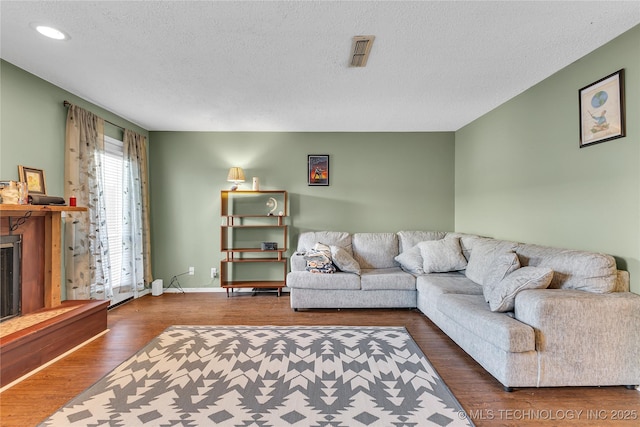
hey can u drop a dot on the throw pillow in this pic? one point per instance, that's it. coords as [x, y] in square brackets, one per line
[411, 260]
[440, 256]
[344, 261]
[502, 296]
[503, 265]
[319, 259]
[483, 252]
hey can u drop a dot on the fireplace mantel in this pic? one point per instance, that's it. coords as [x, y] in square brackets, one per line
[51, 241]
[6, 210]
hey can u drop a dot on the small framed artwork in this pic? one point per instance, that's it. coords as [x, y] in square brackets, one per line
[34, 179]
[318, 169]
[602, 110]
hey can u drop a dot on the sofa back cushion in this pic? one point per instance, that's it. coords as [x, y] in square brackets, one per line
[408, 239]
[466, 242]
[573, 269]
[308, 240]
[375, 250]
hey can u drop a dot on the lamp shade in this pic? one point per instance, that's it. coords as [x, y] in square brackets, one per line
[236, 174]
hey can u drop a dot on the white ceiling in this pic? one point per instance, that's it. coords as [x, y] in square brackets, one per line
[283, 65]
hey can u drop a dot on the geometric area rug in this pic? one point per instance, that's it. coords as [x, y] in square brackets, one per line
[305, 376]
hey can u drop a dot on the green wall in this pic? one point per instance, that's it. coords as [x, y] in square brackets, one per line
[32, 126]
[521, 175]
[378, 182]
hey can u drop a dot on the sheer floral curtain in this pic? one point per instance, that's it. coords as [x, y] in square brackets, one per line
[86, 244]
[136, 251]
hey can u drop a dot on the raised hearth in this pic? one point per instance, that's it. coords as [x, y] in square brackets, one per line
[29, 348]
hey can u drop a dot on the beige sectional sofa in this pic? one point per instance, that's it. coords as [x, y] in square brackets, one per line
[532, 316]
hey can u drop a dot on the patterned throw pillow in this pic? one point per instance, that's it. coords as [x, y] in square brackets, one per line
[319, 259]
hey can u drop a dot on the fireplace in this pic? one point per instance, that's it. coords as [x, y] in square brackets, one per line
[35, 260]
[10, 289]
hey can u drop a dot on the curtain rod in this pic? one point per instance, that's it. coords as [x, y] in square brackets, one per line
[67, 104]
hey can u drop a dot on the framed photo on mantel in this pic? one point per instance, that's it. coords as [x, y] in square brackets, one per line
[34, 179]
[318, 169]
[602, 110]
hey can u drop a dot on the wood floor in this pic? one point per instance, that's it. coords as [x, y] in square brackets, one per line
[133, 324]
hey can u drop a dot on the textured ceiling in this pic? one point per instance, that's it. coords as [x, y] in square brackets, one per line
[283, 66]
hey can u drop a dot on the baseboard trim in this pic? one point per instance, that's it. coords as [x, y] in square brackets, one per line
[216, 289]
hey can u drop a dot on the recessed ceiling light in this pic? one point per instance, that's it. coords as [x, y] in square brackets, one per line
[47, 31]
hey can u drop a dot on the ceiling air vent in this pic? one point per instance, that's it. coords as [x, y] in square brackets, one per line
[360, 50]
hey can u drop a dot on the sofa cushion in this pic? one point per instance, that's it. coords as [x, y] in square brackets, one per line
[343, 260]
[338, 280]
[483, 252]
[501, 295]
[441, 256]
[435, 284]
[472, 313]
[408, 239]
[387, 278]
[572, 269]
[375, 250]
[308, 239]
[411, 260]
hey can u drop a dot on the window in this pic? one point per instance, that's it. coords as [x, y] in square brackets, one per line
[112, 164]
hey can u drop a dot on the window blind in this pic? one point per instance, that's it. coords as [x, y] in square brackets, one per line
[112, 164]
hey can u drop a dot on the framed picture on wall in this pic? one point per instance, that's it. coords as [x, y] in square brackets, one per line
[34, 179]
[602, 110]
[318, 169]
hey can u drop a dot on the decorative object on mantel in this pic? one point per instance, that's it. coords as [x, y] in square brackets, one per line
[236, 175]
[318, 169]
[256, 183]
[40, 199]
[602, 110]
[34, 179]
[14, 193]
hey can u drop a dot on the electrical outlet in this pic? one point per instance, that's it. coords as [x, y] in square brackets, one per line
[192, 271]
[214, 272]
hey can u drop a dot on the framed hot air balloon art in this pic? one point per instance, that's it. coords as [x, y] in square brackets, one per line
[602, 110]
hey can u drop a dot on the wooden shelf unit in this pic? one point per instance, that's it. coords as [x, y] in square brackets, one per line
[247, 212]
